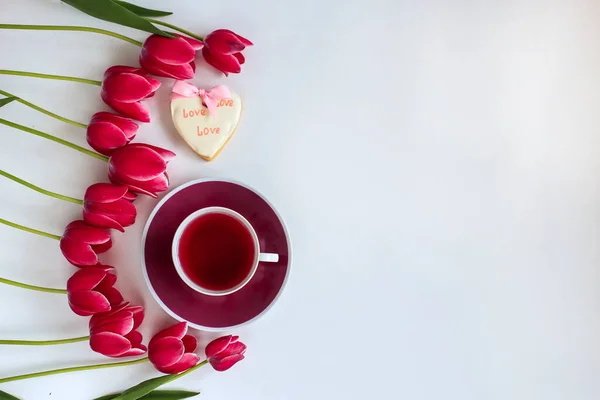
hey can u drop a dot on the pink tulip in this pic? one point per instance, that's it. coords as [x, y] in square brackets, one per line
[107, 132]
[91, 291]
[223, 50]
[81, 243]
[172, 350]
[125, 87]
[170, 57]
[106, 205]
[141, 167]
[114, 333]
[224, 352]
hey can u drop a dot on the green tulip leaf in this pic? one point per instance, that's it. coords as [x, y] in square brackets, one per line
[6, 396]
[107, 10]
[169, 395]
[142, 389]
[141, 11]
[157, 395]
[4, 102]
[107, 397]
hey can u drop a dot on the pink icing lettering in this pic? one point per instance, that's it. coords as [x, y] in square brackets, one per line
[206, 131]
[194, 113]
[225, 103]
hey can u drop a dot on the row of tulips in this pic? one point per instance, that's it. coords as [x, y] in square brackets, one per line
[133, 169]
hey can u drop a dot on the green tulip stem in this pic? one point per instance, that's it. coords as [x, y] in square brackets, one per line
[184, 31]
[39, 189]
[32, 287]
[30, 230]
[142, 389]
[47, 76]
[73, 369]
[43, 111]
[43, 342]
[70, 28]
[54, 138]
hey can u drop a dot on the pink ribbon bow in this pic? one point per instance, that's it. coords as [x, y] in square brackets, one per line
[209, 97]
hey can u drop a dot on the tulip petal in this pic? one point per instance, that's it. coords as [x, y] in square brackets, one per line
[234, 348]
[155, 83]
[143, 191]
[120, 323]
[147, 187]
[132, 110]
[101, 221]
[105, 137]
[135, 352]
[106, 267]
[177, 331]
[123, 212]
[126, 125]
[217, 346]
[102, 248]
[119, 69]
[99, 218]
[138, 315]
[166, 155]
[190, 343]
[115, 217]
[135, 338]
[126, 88]
[79, 231]
[106, 287]
[113, 296]
[169, 50]
[130, 196]
[241, 38]
[133, 186]
[195, 43]
[187, 361]
[104, 192]
[97, 320]
[175, 71]
[225, 363]
[88, 303]
[126, 212]
[166, 351]
[158, 184]
[240, 57]
[86, 279]
[110, 344]
[78, 253]
[137, 162]
[223, 62]
[224, 42]
[109, 281]
[115, 310]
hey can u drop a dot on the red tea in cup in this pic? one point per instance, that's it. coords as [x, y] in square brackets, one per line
[216, 251]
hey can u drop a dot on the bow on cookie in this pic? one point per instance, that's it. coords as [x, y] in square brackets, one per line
[210, 97]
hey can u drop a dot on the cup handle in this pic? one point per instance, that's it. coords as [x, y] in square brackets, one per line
[268, 257]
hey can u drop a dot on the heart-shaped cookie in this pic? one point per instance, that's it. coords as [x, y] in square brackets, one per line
[204, 131]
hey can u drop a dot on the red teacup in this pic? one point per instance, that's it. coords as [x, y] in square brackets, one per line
[216, 251]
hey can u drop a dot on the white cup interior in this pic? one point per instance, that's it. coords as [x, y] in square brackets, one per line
[267, 257]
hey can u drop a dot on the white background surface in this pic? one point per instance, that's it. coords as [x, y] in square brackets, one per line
[437, 163]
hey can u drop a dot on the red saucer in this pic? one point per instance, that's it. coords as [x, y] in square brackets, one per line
[182, 302]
